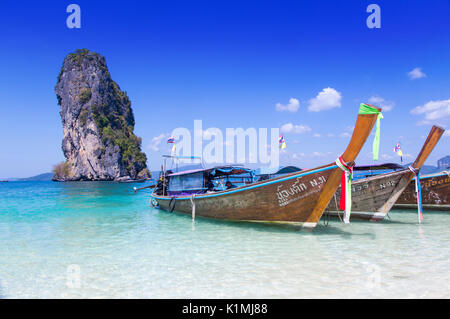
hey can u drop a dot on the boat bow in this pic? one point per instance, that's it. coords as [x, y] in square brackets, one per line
[364, 124]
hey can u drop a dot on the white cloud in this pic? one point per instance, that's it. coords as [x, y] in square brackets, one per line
[327, 99]
[297, 129]
[447, 133]
[345, 135]
[379, 101]
[407, 156]
[156, 141]
[292, 106]
[433, 110]
[386, 157]
[298, 155]
[416, 74]
[318, 154]
[330, 135]
[316, 135]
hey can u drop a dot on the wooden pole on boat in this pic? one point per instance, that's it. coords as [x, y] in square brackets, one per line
[140, 188]
[431, 141]
[193, 206]
[363, 127]
[163, 168]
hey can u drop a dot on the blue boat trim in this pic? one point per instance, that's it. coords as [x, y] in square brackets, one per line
[432, 175]
[251, 187]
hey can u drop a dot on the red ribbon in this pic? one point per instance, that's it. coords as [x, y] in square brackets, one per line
[343, 183]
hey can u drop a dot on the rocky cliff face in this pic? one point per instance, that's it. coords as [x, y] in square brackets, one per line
[98, 123]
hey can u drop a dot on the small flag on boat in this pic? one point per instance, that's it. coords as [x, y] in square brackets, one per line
[282, 142]
[171, 140]
[398, 150]
[174, 150]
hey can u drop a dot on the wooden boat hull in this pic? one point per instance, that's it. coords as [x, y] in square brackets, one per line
[373, 197]
[288, 199]
[298, 198]
[435, 193]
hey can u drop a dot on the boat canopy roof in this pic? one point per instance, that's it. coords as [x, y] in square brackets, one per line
[217, 171]
[278, 170]
[393, 166]
[288, 169]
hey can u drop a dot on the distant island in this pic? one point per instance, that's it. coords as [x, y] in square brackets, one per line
[98, 123]
[45, 177]
[426, 169]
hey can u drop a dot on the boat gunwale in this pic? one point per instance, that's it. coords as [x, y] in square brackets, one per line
[379, 176]
[431, 175]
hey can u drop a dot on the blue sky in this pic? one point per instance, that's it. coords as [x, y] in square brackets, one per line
[229, 63]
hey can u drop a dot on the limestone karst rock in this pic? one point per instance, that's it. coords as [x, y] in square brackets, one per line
[98, 123]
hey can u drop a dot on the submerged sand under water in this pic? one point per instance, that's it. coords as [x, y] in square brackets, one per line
[98, 240]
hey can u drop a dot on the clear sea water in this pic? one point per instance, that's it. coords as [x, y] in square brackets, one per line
[99, 240]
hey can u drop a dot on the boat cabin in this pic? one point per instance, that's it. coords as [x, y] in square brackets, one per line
[205, 180]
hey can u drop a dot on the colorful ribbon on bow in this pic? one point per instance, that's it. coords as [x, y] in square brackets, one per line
[345, 203]
[418, 192]
[368, 109]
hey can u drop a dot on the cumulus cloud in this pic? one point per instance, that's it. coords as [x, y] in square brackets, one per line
[379, 101]
[292, 106]
[433, 110]
[156, 141]
[416, 74]
[327, 99]
[297, 129]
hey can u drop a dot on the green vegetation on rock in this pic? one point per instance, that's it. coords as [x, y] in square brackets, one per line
[61, 170]
[87, 94]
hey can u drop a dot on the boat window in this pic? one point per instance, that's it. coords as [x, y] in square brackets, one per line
[186, 182]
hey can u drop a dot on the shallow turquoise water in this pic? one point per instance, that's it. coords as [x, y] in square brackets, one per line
[97, 240]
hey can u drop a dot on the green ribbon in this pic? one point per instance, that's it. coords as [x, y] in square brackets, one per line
[367, 109]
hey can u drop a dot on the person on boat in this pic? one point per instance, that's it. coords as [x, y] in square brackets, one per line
[210, 187]
[230, 185]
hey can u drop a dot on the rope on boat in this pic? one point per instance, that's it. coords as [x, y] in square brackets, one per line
[193, 206]
[418, 192]
[337, 207]
[172, 207]
[326, 219]
[346, 187]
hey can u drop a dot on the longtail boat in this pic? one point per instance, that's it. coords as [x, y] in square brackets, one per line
[435, 193]
[374, 196]
[297, 198]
